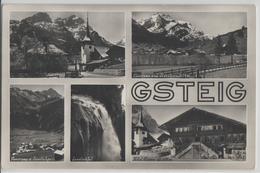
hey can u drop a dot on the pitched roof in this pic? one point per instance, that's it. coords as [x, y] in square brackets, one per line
[86, 38]
[102, 50]
[97, 61]
[197, 115]
[157, 135]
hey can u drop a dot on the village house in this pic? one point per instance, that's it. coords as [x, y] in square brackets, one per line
[198, 134]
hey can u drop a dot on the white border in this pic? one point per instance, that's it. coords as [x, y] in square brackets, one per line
[121, 81]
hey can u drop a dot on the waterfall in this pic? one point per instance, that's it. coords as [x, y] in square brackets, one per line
[110, 146]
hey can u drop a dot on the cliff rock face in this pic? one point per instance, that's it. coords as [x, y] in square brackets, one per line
[97, 123]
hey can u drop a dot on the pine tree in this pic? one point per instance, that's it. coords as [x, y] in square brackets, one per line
[231, 47]
[218, 48]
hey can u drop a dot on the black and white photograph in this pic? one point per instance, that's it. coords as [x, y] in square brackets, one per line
[37, 123]
[97, 123]
[67, 44]
[189, 44]
[188, 133]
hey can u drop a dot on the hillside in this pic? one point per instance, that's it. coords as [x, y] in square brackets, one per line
[36, 110]
[40, 35]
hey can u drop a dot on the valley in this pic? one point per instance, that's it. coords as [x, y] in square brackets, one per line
[37, 124]
[161, 41]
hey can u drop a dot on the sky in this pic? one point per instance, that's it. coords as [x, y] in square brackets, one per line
[110, 25]
[211, 23]
[58, 88]
[164, 113]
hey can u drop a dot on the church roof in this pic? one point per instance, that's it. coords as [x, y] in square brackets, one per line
[87, 39]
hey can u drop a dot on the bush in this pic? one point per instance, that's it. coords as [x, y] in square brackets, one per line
[46, 63]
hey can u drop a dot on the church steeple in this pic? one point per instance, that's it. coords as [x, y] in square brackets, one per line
[87, 46]
[140, 119]
[88, 34]
[87, 38]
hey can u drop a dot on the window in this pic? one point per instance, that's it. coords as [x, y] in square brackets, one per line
[143, 132]
[222, 138]
[90, 47]
[220, 127]
[209, 127]
[185, 129]
[182, 129]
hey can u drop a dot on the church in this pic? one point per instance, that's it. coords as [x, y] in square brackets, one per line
[145, 139]
[91, 56]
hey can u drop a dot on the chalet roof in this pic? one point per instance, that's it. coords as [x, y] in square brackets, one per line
[157, 135]
[115, 48]
[102, 50]
[97, 61]
[195, 115]
[39, 48]
[59, 152]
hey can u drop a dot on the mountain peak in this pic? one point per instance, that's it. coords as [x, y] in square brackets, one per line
[165, 24]
[38, 17]
[51, 93]
[74, 21]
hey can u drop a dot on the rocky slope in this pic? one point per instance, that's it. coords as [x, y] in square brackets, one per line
[36, 110]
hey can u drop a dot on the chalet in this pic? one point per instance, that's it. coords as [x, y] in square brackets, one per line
[175, 52]
[199, 134]
[59, 155]
[117, 53]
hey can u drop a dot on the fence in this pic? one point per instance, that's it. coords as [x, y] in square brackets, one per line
[195, 71]
[153, 59]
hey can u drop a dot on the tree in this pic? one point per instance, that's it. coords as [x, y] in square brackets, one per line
[219, 48]
[232, 47]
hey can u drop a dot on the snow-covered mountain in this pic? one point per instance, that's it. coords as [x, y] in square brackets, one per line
[160, 33]
[166, 25]
[40, 34]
